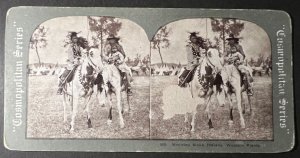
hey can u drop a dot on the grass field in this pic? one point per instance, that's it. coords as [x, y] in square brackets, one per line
[258, 126]
[45, 115]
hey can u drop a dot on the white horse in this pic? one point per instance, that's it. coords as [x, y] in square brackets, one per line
[211, 64]
[232, 84]
[113, 84]
[229, 80]
[76, 89]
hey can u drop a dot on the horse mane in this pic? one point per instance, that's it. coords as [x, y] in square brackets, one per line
[82, 42]
[214, 58]
[84, 66]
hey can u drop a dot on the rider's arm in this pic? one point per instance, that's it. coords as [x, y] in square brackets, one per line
[105, 54]
[121, 57]
[70, 54]
[227, 51]
[121, 50]
[83, 51]
[240, 49]
[189, 52]
[240, 57]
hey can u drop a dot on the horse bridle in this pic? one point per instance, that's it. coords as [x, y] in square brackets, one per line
[91, 63]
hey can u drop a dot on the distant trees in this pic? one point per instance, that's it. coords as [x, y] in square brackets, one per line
[38, 40]
[103, 26]
[138, 58]
[146, 60]
[161, 40]
[261, 60]
[225, 27]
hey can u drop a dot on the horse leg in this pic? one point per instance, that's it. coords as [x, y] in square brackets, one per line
[120, 109]
[100, 96]
[208, 113]
[193, 121]
[230, 122]
[250, 105]
[89, 122]
[243, 103]
[221, 96]
[186, 117]
[122, 105]
[128, 103]
[239, 101]
[65, 107]
[109, 120]
[87, 110]
[74, 111]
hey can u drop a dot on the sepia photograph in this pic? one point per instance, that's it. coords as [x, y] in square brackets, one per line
[101, 77]
[88, 78]
[211, 80]
[113, 79]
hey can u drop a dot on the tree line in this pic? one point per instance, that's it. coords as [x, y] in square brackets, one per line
[101, 27]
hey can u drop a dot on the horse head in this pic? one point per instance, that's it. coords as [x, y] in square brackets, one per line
[94, 59]
[91, 63]
[215, 59]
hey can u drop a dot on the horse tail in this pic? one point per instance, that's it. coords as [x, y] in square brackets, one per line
[218, 82]
[99, 81]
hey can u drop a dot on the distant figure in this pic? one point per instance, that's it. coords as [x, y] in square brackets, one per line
[235, 55]
[113, 50]
[75, 50]
[195, 50]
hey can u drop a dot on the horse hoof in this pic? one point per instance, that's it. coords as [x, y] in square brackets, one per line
[89, 122]
[251, 114]
[243, 126]
[71, 131]
[126, 110]
[230, 123]
[186, 121]
[210, 126]
[122, 125]
[193, 130]
[109, 122]
[130, 113]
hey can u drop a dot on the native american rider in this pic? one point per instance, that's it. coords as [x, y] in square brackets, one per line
[74, 51]
[195, 50]
[235, 55]
[114, 53]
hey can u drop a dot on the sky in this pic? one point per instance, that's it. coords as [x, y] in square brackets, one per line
[254, 39]
[133, 38]
[135, 41]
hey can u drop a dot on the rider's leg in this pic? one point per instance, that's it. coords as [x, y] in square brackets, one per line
[248, 79]
[126, 70]
[183, 77]
[62, 81]
[129, 73]
[128, 83]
